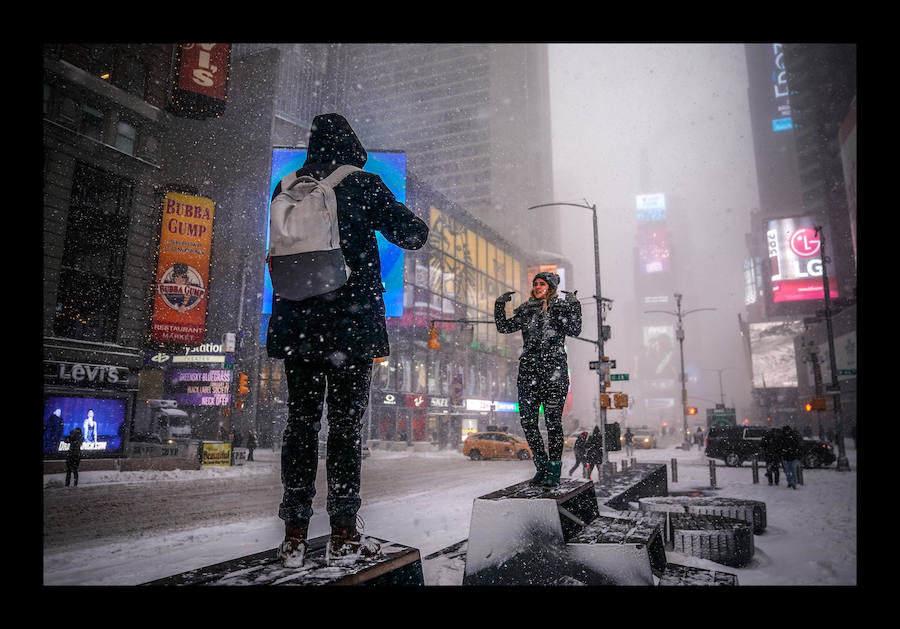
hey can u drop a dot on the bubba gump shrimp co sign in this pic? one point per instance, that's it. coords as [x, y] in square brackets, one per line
[182, 278]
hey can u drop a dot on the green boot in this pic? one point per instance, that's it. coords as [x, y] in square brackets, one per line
[540, 463]
[553, 472]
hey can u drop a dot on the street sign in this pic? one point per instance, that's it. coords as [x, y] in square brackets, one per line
[618, 376]
[599, 364]
[846, 372]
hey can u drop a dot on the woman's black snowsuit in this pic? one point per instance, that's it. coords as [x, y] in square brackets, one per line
[543, 369]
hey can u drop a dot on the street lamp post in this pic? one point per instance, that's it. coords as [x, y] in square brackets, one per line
[843, 465]
[679, 333]
[601, 305]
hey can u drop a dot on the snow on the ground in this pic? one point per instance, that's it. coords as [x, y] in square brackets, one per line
[810, 539]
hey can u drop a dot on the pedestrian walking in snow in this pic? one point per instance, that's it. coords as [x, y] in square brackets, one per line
[579, 448]
[328, 343]
[251, 445]
[629, 442]
[791, 451]
[698, 438]
[770, 446]
[594, 453]
[545, 321]
[73, 457]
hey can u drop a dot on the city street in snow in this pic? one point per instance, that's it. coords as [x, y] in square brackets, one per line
[811, 537]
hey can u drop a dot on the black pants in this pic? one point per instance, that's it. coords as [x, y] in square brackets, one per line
[548, 385]
[72, 463]
[343, 384]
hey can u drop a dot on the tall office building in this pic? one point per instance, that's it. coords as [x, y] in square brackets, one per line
[801, 98]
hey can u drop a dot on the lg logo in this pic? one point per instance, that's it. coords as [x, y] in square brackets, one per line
[805, 242]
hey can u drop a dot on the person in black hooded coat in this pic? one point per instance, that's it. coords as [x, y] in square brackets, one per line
[328, 343]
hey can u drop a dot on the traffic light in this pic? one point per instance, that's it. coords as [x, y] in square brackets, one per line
[692, 410]
[243, 384]
[816, 404]
[432, 339]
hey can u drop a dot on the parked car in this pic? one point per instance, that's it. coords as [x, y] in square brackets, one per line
[496, 445]
[736, 444]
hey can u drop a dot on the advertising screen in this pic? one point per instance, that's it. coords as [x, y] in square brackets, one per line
[772, 353]
[101, 419]
[795, 260]
[651, 207]
[653, 249]
[391, 167]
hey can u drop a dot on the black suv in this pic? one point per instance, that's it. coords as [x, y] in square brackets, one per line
[736, 444]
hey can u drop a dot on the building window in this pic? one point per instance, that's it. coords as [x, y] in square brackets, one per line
[126, 135]
[91, 122]
[93, 261]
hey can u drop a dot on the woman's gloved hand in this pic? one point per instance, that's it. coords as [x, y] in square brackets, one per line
[505, 297]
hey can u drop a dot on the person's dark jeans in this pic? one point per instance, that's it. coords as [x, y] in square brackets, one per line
[550, 387]
[343, 384]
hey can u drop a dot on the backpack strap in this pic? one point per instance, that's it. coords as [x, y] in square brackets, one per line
[339, 173]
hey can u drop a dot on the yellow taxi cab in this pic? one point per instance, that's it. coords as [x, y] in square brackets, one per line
[496, 445]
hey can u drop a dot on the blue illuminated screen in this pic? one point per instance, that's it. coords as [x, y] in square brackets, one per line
[391, 167]
[102, 421]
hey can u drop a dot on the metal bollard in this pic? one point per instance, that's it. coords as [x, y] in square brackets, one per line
[755, 467]
[624, 465]
[612, 468]
[712, 474]
[633, 461]
[799, 472]
[674, 470]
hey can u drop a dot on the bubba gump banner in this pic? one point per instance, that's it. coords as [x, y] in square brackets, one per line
[182, 278]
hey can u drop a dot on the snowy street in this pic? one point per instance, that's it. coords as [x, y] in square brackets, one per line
[127, 528]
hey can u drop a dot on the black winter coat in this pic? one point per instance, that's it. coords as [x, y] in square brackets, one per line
[791, 445]
[543, 332]
[351, 318]
[594, 453]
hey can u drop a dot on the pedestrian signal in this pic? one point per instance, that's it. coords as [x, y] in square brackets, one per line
[621, 400]
[604, 401]
[816, 404]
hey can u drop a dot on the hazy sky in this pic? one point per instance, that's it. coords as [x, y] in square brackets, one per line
[684, 106]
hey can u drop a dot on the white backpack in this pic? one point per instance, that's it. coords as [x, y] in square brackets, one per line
[305, 256]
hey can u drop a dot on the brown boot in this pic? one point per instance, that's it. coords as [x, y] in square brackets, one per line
[347, 545]
[292, 550]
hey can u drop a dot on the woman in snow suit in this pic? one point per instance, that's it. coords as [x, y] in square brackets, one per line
[545, 321]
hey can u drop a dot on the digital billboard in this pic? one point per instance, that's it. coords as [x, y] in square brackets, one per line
[651, 207]
[101, 419]
[795, 260]
[653, 249]
[772, 353]
[391, 167]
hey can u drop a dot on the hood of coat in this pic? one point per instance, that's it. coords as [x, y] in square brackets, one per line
[332, 139]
